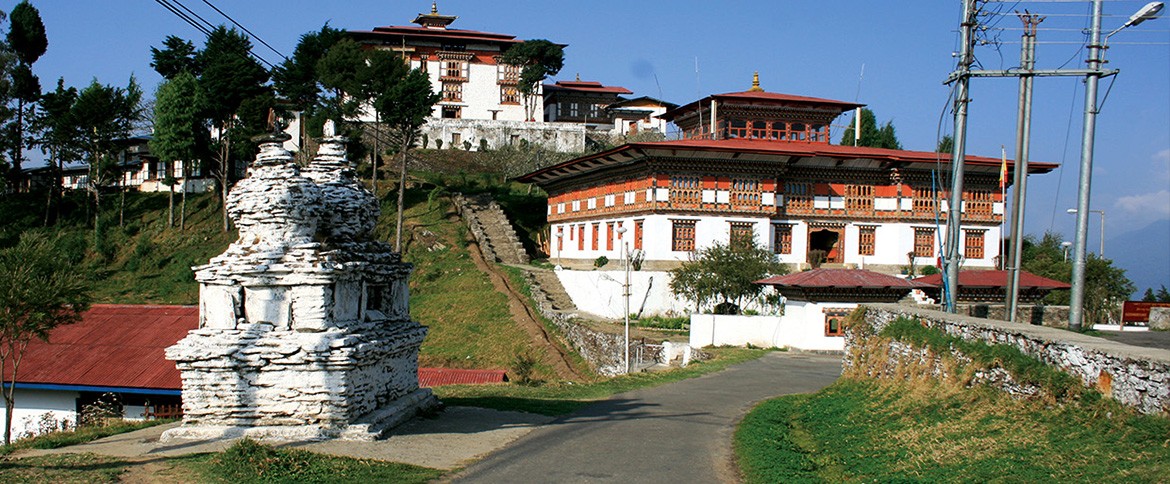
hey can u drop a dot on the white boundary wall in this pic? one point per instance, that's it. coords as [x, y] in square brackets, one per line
[600, 292]
[801, 327]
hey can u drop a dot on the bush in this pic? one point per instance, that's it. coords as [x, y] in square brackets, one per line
[601, 262]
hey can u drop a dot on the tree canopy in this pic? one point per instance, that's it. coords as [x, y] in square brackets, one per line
[177, 55]
[872, 135]
[40, 289]
[725, 273]
[1106, 286]
[26, 40]
[539, 59]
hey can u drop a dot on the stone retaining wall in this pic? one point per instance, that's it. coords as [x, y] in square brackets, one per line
[1134, 376]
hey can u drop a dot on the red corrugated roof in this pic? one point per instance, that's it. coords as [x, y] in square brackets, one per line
[112, 346]
[975, 279]
[433, 377]
[840, 278]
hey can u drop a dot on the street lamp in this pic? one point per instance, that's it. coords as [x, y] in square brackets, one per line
[1096, 48]
[626, 294]
[1101, 250]
[1065, 245]
[560, 234]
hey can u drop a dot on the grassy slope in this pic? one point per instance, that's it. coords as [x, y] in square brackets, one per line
[883, 431]
[144, 262]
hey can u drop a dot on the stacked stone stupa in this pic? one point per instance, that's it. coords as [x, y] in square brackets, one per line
[304, 327]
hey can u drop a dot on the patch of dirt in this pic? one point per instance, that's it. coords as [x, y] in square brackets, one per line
[155, 470]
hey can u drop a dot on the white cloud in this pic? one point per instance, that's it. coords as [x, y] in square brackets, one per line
[1154, 204]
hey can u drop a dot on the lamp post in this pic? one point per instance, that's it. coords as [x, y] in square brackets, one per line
[1101, 250]
[626, 295]
[1064, 246]
[1096, 48]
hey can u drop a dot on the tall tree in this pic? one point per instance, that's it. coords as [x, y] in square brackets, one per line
[296, 80]
[177, 56]
[230, 77]
[39, 290]
[59, 136]
[104, 115]
[945, 145]
[26, 38]
[404, 108]
[178, 129]
[540, 59]
[872, 135]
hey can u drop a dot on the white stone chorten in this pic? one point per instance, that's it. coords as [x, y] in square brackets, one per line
[304, 324]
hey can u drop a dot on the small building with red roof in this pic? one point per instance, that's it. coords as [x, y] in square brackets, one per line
[815, 305]
[114, 349]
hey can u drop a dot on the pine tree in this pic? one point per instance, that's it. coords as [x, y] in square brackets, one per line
[27, 39]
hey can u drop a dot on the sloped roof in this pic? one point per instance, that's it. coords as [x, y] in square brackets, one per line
[433, 377]
[436, 34]
[761, 150]
[841, 285]
[839, 278]
[763, 96]
[586, 86]
[113, 346]
[996, 279]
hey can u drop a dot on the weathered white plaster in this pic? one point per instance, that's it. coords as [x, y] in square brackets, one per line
[801, 327]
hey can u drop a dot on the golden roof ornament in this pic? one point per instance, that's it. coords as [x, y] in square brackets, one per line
[756, 83]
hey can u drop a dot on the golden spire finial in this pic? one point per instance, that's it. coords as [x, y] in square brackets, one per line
[756, 83]
[434, 8]
[578, 76]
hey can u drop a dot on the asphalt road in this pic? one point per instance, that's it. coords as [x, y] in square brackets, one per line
[1150, 339]
[677, 433]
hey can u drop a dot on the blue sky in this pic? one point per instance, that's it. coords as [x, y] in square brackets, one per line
[807, 48]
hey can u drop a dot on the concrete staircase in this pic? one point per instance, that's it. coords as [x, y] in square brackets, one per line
[491, 228]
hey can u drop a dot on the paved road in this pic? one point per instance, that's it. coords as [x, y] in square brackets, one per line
[1151, 339]
[673, 433]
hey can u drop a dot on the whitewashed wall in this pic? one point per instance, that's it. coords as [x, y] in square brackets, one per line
[600, 292]
[32, 404]
[802, 327]
[894, 240]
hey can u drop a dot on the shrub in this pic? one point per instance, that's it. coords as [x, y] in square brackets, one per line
[601, 262]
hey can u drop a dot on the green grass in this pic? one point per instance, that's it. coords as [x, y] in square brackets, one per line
[663, 322]
[923, 431]
[55, 440]
[562, 398]
[251, 462]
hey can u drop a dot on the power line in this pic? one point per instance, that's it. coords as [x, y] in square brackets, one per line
[183, 16]
[202, 25]
[245, 29]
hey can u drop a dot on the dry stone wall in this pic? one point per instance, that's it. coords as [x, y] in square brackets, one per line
[1134, 376]
[304, 320]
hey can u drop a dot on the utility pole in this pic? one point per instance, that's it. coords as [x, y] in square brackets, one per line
[958, 155]
[1076, 313]
[1023, 141]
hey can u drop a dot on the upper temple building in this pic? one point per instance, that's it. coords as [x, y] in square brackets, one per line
[759, 165]
[480, 103]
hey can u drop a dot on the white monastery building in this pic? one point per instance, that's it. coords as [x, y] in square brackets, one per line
[759, 165]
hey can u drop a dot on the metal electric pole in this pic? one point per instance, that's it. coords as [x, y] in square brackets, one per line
[1023, 142]
[958, 156]
[1076, 304]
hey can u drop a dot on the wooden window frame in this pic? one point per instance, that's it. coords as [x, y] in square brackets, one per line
[745, 192]
[686, 189]
[835, 315]
[452, 92]
[974, 250]
[798, 196]
[782, 235]
[638, 234]
[866, 240]
[682, 235]
[509, 95]
[859, 198]
[741, 233]
[924, 241]
[594, 240]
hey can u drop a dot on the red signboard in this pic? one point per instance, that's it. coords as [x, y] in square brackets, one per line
[1139, 310]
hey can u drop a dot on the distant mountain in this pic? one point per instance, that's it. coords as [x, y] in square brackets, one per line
[1144, 254]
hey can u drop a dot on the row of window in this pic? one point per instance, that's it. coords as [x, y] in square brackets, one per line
[453, 92]
[577, 233]
[683, 239]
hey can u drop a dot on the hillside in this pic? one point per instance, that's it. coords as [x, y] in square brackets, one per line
[144, 262]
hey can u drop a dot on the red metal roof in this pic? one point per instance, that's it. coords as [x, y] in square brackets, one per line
[429, 33]
[997, 279]
[587, 86]
[433, 377]
[840, 278]
[763, 96]
[112, 346]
